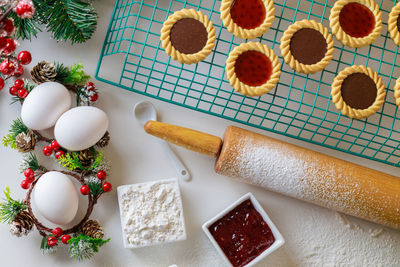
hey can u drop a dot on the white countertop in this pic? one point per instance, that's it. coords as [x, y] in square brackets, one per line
[137, 157]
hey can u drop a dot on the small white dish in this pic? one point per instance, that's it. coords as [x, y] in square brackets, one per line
[279, 240]
[121, 190]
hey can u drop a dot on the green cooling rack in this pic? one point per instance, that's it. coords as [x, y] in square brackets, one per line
[300, 106]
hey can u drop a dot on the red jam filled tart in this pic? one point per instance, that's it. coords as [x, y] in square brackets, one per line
[247, 19]
[394, 24]
[356, 23]
[188, 36]
[358, 92]
[307, 46]
[253, 69]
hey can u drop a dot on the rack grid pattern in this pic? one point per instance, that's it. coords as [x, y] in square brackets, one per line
[299, 107]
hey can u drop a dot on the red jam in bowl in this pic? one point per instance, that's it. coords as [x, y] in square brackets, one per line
[242, 234]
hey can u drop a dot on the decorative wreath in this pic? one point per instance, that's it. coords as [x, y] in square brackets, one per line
[88, 166]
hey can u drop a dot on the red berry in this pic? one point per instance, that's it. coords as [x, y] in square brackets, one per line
[85, 190]
[1, 83]
[65, 239]
[19, 71]
[7, 67]
[19, 83]
[3, 42]
[8, 25]
[107, 187]
[94, 97]
[60, 154]
[51, 241]
[24, 9]
[22, 93]
[28, 173]
[25, 184]
[24, 57]
[47, 151]
[54, 145]
[10, 46]
[101, 175]
[13, 90]
[57, 232]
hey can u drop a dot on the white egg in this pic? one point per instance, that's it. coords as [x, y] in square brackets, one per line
[56, 198]
[44, 105]
[81, 127]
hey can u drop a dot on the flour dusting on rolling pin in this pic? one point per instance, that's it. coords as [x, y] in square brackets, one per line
[294, 171]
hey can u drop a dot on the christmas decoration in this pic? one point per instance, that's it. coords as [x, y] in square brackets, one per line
[92, 229]
[104, 140]
[88, 166]
[73, 20]
[22, 224]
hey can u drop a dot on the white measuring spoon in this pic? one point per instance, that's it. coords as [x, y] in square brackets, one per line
[145, 111]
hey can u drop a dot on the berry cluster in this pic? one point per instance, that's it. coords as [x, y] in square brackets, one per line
[10, 63]
[53, 147]
[88, 94]
[106, 187]
[18, 89]
[57, 233]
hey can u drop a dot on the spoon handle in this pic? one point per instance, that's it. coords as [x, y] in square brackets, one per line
[180, 169]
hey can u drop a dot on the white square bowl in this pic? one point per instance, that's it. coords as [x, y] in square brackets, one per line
[120, 191]
[279, 240]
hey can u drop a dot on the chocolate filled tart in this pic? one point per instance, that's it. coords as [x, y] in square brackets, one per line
[247, 19]
[253, 69]
[358, 92]
[188, 36]
[394, 24]
[356, 23]
[307, 46]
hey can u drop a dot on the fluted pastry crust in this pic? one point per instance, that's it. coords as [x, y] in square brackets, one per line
[292, 61]
[243, 88]
[345, 109]
[174, 53]
[346, 39]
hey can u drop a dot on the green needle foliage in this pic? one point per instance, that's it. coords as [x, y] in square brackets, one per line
[84, 247]
[10, 207]
[95, 188]
[73, 20]
[30, 161]
[16, 128]
[72, 75]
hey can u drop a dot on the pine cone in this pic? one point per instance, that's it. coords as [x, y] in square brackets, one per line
[103, 142]
[25, 142]
[44, 72]
[22, 224]
[86, 157]
[93, 229]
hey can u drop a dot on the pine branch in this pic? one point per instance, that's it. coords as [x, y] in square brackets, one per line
[25, 29]
[84, 247]
[97, 160]
[62, 72]
[95, 187]
[30, 161]
[73, 20]
[9, 208]
[18, 127]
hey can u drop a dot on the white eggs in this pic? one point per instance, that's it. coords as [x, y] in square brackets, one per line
[81, 127]
[56, 198]
[44, 105]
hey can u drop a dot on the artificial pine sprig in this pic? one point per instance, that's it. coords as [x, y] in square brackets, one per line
[45, 248]
[16, 128]
[95, 187]
[30, 161]
[10, 207]
[84, 247]
[70, 161]
[73, 20]
[72, 75]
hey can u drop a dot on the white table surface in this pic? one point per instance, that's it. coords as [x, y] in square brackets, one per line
[137, 157]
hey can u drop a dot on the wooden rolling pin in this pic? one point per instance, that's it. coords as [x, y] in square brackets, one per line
[294, 171]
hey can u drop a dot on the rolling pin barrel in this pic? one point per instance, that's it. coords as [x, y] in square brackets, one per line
[294, 171]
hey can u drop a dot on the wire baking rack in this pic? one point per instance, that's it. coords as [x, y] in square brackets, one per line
[300, 107]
